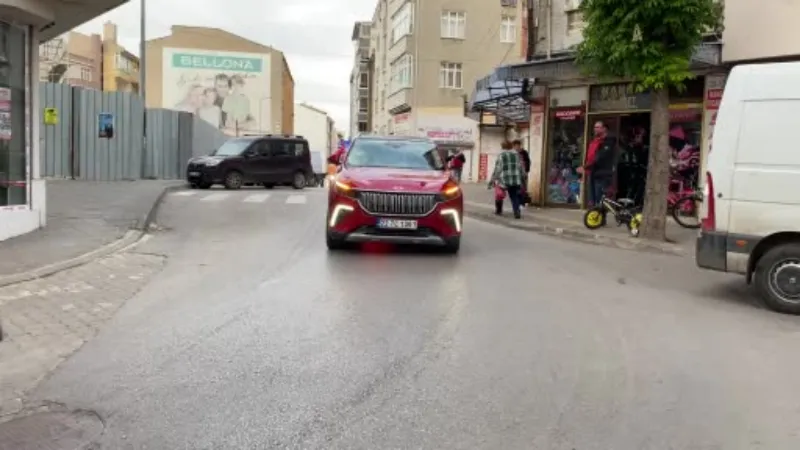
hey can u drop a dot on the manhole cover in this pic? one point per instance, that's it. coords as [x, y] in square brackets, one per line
[50, 431]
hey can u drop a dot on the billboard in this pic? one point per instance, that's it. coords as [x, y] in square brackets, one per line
[229, 90]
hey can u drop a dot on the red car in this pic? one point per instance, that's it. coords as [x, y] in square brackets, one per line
[394, 190]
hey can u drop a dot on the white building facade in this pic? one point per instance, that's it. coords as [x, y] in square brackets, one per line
[24, 24]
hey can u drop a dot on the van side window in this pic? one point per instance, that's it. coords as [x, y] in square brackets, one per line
[262, 148]
[299, 148]
[281, 148]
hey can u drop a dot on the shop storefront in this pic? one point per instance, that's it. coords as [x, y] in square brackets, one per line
[23, 25]
[21, 200]
[451, 133]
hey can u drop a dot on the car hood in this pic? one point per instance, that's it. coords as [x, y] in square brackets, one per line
[385, 179]
[203, 159]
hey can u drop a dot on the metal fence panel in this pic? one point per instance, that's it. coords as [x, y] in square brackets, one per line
[113, 159]
[56, 139]
[162, 143]
[205, 138]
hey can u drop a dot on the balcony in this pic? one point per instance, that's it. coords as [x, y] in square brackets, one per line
[400, 101]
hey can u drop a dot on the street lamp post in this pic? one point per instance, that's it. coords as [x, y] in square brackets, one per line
[143, 80]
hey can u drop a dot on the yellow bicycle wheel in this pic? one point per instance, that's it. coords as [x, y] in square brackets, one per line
[594, 218]
[636, 222]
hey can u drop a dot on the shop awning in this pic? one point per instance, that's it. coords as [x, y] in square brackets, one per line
[706, 55]
[501, 97]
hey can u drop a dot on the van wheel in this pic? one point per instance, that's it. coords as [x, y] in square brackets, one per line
[299, 180]
[233, 180]
[777, 278]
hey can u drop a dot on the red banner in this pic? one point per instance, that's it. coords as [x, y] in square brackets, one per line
[483, 167]
[568, 114]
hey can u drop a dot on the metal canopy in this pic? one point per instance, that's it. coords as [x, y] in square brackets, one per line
[501, 97]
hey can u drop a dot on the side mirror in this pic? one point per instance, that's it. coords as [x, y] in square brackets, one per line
[333, 160]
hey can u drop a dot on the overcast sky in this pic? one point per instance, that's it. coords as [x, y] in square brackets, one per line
[313, 34]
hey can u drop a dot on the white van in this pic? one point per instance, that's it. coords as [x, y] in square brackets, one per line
[751, 204]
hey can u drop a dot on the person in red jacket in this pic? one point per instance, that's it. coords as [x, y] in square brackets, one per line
[456, 164]
[598, 170]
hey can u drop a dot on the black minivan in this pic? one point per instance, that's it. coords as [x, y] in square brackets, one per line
[269, 160]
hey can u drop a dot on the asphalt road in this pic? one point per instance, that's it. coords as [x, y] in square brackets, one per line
[255, 337]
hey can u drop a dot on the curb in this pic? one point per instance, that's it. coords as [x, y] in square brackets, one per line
[130, 238]
[580, 235]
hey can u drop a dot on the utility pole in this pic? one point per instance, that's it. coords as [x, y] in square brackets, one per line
[531, 25]
[143, 81]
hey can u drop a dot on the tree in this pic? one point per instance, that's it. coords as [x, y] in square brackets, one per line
[651, 42]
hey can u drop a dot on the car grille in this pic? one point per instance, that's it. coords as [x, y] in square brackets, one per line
[397, 204]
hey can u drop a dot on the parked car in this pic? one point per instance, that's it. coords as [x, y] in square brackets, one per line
[750, 214]
[269, 160]
[395, 190]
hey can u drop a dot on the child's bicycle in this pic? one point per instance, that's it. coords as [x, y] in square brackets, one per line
[624, 210]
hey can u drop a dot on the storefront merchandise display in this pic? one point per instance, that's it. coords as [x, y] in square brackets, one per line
[13, 174]
[564, 156]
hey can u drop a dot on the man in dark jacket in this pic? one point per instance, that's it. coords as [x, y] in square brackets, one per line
[599, 168]
[525, 157]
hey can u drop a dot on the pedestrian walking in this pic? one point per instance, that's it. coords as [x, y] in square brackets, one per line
[525, 157]
[508, 175]
[456, 163]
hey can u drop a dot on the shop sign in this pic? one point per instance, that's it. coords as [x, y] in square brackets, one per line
[447, 129]
[618, 97]
[713, 98]
[50, 116]
[569, 114]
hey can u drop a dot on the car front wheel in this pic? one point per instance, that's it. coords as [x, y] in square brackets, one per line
[233, 180]
[334, 243]
[453, 245]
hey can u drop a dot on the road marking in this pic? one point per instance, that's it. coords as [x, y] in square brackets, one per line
[215, 197]
[296, 200]
[184, 193]
[256, 198]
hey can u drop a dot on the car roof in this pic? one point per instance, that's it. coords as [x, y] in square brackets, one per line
[392, 137]
[272, 136]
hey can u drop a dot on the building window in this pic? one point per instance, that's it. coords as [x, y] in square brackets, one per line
[574, 20]
[86, 74]
[508, 30]
[363, 81]
[362, 127]
[454, 25]
[363, 105]
[401, 73]
[451, 75]
[401, 22]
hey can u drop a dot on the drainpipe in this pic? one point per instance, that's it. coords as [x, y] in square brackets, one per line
[549, 28]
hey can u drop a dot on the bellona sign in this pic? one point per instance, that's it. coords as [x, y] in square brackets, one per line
[222, 62]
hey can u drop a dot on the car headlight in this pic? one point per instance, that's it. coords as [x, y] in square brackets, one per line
[343, 187]
[212, 162]
[449, 191]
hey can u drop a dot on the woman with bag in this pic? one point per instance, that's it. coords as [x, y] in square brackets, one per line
[507, 179]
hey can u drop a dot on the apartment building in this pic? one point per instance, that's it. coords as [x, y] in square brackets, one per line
[360, 80]
[120, 67]
[427, 57]
[72, 58]
[233, 83]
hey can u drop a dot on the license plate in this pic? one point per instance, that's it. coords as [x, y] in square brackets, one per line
[194, 174]
[397, 224]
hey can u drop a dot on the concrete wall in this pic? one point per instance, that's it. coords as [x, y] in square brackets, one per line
[759, 30]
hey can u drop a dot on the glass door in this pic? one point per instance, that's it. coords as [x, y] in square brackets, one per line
[565, 156]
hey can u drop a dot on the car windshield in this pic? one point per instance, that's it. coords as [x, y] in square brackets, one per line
[232, 147]
[397, 154]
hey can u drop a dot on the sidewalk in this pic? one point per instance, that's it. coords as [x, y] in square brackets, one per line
[82, 217]
[568, 223]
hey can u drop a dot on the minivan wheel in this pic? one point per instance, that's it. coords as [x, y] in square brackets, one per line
[299, 180]
[233, 180]
[777, 278]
